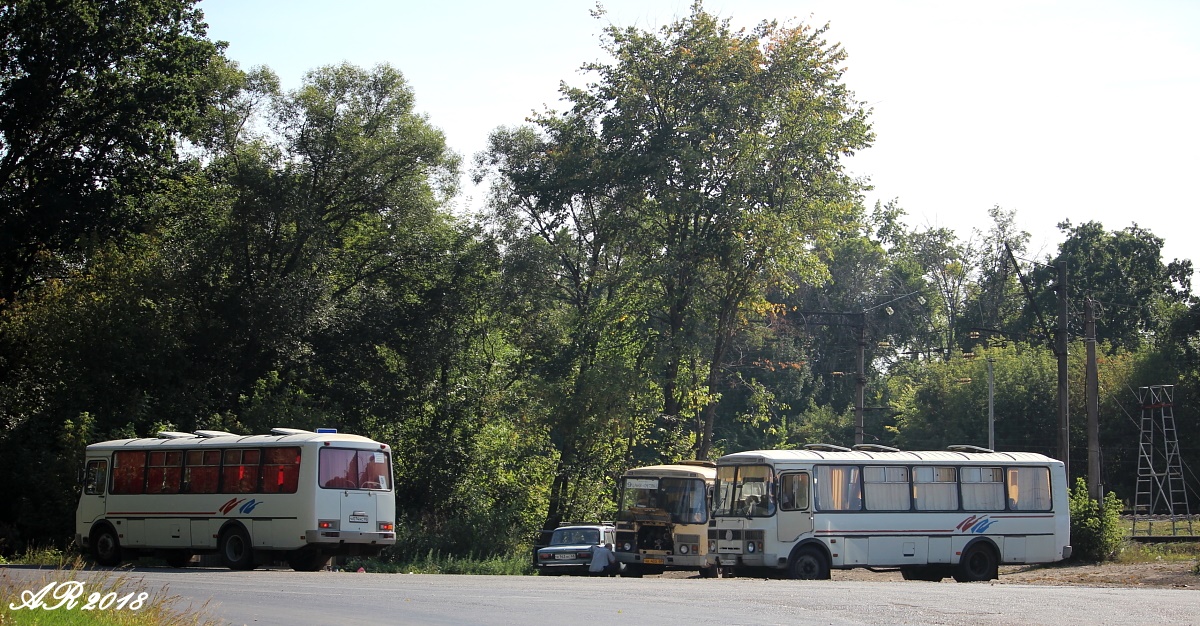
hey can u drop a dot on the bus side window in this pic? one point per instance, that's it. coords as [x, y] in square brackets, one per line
[95, 477]
[793, 490]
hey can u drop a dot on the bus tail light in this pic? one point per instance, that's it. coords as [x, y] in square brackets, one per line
[386, 527]
[327, 524]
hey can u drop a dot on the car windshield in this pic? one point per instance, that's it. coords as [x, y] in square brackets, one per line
[575, 536]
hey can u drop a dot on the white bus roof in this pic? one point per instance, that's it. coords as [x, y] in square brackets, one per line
[678, 470]
[208, 438]
[862, 456]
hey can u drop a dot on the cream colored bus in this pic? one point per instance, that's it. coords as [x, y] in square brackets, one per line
[662, 518]
[959, 512]
[292, 495]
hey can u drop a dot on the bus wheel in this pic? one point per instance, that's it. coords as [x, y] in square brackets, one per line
[236, 549]
[106, 548]
[307, 560]
[809, 564]
[632, 570]
[178, 558]
[710, 571]
[978, 563]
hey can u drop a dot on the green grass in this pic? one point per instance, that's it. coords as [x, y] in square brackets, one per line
[436, 563]
[1134, 552]
[157, 607]
[1161, 526]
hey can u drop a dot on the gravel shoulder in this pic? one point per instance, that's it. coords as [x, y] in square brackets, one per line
[1154, 574]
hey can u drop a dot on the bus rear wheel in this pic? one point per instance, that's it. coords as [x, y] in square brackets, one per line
[978, 564]
[809, 564]
[236, 550]
[307, 560]
[106, 547]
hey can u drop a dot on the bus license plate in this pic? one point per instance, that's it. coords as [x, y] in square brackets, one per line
[358, 519]
[652, 561]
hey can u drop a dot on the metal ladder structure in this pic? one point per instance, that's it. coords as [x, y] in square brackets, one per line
[1160, 485]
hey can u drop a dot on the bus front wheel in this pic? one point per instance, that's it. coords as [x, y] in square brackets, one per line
[236, 549]
[978, 564]
[809, 564]
[106, 547]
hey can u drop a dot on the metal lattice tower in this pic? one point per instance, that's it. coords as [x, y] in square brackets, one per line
[1160, 485]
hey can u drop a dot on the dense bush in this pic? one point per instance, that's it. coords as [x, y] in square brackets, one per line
[1096, 533]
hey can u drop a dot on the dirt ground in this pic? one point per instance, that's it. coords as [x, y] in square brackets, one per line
[1160, 574]
[1165, 574]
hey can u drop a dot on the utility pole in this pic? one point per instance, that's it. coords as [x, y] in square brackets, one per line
[860, 381]
[1095, 489]
[1060, 349]
[991, 406]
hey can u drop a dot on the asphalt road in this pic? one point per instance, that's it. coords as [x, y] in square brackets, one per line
[287, 598]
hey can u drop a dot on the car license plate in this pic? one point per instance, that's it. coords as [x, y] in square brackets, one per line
[358, 519]
[652, 561]
[564, 557]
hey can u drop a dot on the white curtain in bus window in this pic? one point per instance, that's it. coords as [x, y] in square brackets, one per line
[886, 488]
[1029, 488]
[982, 489]
[935, 489]
[838, 488]
[339, 468]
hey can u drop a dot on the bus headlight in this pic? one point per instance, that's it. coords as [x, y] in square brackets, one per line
[627, 546]
[683, 549]
[712, 546]
[750, 547]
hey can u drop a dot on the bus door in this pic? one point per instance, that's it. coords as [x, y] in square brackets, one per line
[91, 501]
[795, 506]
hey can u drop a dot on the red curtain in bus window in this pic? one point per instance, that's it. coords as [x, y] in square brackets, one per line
[338, 468]
[164, 471]
[240, 471]
[129, 471]
[280, 470]
[201, 471]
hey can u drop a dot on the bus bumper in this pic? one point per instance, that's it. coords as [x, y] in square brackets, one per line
[668, 561]
[348, 536]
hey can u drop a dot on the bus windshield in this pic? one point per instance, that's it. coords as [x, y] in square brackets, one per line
[683, 498]
[745, 490]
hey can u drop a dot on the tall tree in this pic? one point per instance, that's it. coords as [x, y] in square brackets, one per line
[93, 98]
[727, 145]
[1122, 270]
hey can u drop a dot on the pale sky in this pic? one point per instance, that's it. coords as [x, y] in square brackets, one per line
[1080, 110]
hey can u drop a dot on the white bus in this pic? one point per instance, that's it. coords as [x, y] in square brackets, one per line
[959, 512]
[293, 495]
[662, 518]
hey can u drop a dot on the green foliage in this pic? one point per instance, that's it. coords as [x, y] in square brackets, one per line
[1097, 534]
